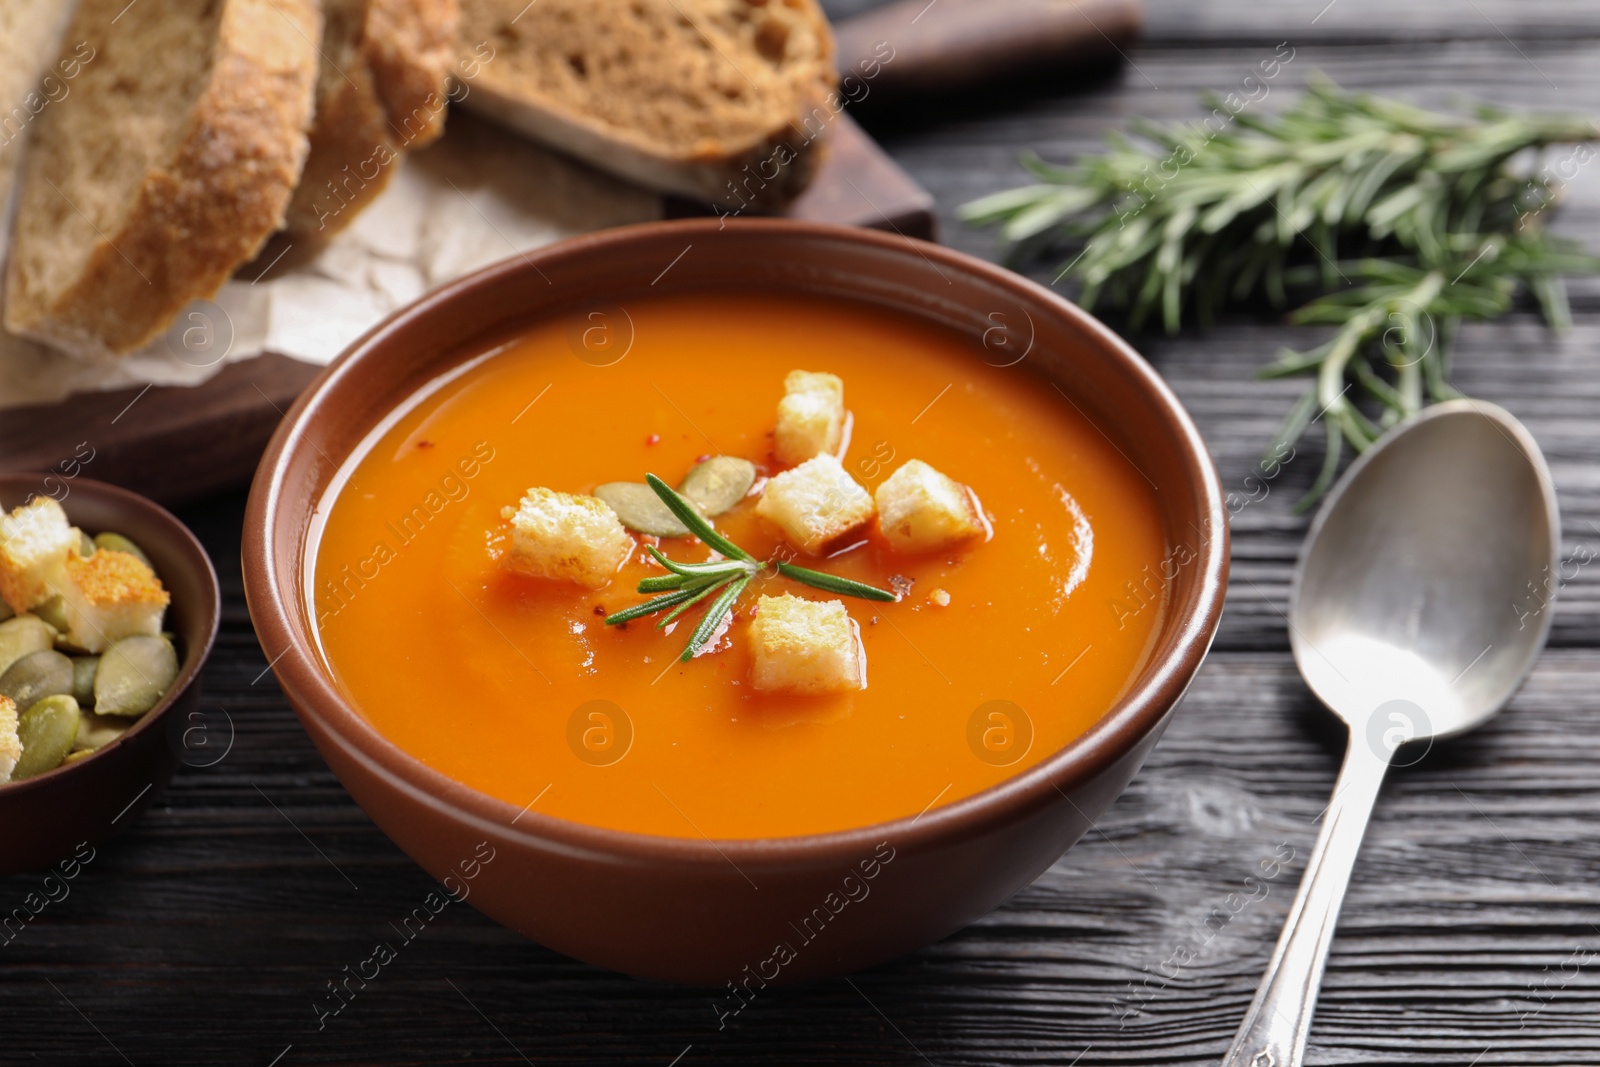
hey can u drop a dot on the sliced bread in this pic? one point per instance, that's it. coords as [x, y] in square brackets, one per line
[721, 100]
[381, 91]
[170, 166]
[30, 38]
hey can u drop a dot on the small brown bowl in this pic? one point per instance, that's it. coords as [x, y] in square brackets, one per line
[685, 909]
[46, 818]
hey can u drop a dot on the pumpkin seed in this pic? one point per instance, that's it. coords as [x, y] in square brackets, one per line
[84, 668]
[640, 510]
[85, 545]
[36, 676]
[77, 754]
[115, 542]
[132, 675]
[22, 635]
[718, 484]
[47, 731]
[97, 731]
[54, 612]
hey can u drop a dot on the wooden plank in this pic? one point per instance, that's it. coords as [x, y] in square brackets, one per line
[1476, 883]
[1352, 21]
[1187, 23]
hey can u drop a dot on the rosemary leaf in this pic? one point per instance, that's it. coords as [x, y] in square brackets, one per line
[713, 617]
[833, 583]
[650, 607]
[714, 568]
[1330, 467]
[1293, 426]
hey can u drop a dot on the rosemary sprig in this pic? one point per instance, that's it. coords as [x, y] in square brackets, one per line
[1406, 221]
[687, 584]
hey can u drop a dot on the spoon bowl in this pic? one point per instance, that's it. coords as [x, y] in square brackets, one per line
[1419, 604]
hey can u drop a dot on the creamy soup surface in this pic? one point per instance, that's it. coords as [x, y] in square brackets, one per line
[1002, 650]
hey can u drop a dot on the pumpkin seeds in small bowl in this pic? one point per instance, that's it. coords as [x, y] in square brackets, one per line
[97, 731]
[36, 676]
[133, 674]
[51, 686]
[81, 777]
[22, 635]
[84, 668]
[47, 731]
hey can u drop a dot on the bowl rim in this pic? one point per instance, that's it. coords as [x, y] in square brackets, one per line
[1138, 712]
[194, 658]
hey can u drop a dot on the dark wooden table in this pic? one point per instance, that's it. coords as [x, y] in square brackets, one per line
[207, 933]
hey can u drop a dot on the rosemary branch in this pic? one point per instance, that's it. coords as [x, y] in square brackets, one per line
[1405, 221]
[687, 584]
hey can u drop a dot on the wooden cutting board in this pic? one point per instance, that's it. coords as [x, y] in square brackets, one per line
[179, 443]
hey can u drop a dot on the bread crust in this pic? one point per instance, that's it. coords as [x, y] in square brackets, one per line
[388, 98]
[411, 46]
[210, 206]
[758, 173]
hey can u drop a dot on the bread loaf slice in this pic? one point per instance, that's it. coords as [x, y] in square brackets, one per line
[720, 100]
[381, 91]
[174, 162]
[30, 37]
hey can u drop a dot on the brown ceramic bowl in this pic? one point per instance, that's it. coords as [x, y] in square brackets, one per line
[685, 909]
[46, 818]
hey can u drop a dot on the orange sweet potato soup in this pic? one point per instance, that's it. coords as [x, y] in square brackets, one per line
[1001, 647]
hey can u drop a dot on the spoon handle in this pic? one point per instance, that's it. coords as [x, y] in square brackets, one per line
[1274, 1031]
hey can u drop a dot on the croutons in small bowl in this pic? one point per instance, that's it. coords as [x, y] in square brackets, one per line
[85, 753]
[694, 908]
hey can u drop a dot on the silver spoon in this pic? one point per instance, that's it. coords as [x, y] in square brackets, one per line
[1419, 604]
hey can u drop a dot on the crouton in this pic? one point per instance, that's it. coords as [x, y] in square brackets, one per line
[34, 541]
[810, 417]
[805, 646]
[815, 504]
[10, 744]
[920, 510]
[566, 537]
[108, 596]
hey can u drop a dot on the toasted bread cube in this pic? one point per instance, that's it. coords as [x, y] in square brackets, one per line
[815, 504]
[807, 647]
[810, 417]
[34, 541]
[108, 596]
[566, 537]
[920, 510]
[10, 744]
